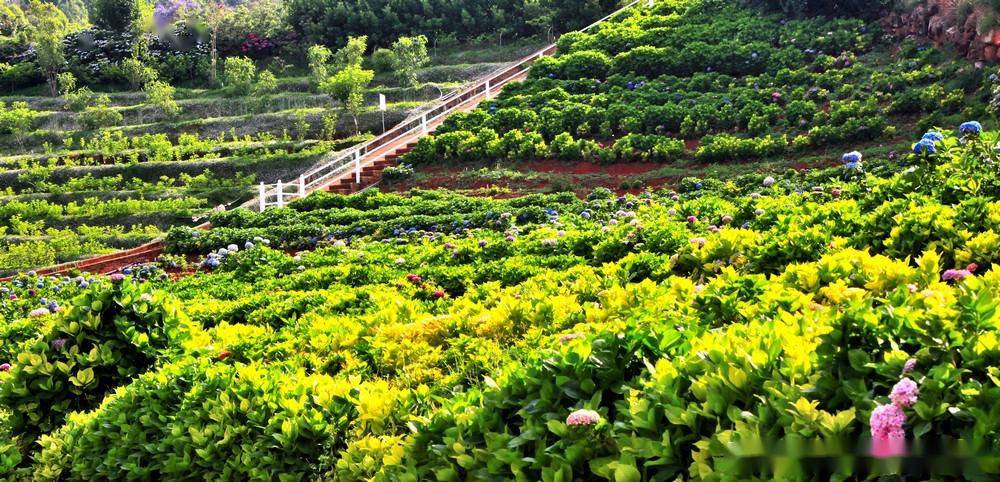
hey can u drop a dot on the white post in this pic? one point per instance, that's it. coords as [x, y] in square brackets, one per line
[262, 194]
[487, 88]
[280, 191]
[423, 123]
[302, 185]
[357, 167]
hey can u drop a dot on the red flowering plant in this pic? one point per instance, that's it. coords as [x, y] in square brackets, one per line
[257, 46]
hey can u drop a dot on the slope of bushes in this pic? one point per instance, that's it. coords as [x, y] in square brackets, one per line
[676, 334]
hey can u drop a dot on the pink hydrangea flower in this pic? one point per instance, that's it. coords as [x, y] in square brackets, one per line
[692, 219]
[904, 393]
[583, 417]
[698, 241]
[887, 422]
[909, 365]
[570, 337]
[4, 367]
[38, 312]
[888, 435]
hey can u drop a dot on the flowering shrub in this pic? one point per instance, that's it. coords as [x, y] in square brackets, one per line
[618, 337]
[659, 336]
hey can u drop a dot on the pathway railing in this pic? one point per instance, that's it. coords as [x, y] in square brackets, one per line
[280, 193]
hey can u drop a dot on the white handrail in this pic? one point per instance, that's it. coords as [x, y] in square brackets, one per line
[320, 175]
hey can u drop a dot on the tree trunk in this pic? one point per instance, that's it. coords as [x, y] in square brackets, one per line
[215, 58]
[53, 84]
[357, 130]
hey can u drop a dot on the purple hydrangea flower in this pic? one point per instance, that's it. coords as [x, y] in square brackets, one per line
[904, 393]
[955, 275]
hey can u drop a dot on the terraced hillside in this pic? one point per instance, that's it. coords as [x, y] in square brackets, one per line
[623, 338]
[69, 191]
[665, 93]
[802, 287]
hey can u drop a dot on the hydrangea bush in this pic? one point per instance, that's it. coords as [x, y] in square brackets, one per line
[639, 337]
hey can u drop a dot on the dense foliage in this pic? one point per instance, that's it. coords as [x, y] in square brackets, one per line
[549, 338]
[737, 84]
[837, 321]
[382, 21]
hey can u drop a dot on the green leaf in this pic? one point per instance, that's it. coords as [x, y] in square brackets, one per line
[83, 377]
[556, 427]
[627, 473]
[859, 360]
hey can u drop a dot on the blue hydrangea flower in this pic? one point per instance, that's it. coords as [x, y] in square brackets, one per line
[853, 166]
[933, 136]
[925, 146]
[971, 127]
[853, 156]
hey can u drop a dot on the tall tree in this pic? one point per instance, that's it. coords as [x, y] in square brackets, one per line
[115, 15]
[318, 56]
[47, 25]
[410, 53]
[211, 15]
[13, 21]
[352, 54]
[348, 87]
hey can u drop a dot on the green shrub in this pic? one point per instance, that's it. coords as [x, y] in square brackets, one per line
[99, 114]
[238, 75]
[588, 64]
[382, 60]
[137, 73]
[161, 94]
[108, 335]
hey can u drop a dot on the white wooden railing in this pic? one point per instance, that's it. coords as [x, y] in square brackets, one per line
[280, 193]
